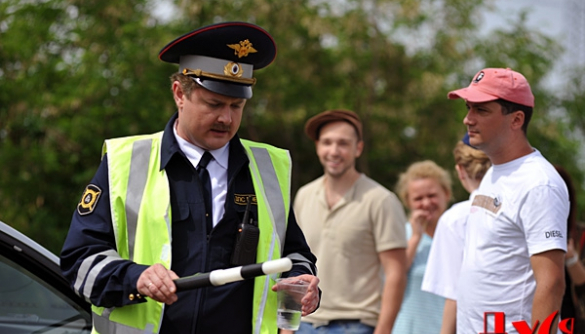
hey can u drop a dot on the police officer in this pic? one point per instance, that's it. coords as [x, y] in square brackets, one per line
[172, 204]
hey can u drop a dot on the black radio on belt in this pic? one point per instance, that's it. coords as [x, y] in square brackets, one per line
[247, 237]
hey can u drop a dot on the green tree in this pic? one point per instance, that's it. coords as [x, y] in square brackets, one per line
[73, 73]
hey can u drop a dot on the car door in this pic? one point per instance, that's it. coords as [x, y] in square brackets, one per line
[34, 296]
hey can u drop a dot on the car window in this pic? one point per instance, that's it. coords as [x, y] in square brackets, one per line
[29, 305]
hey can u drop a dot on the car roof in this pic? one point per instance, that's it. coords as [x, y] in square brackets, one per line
[18, 236]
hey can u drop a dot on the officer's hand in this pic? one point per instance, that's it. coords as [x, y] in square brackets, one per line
[311, 299]
[157, 283]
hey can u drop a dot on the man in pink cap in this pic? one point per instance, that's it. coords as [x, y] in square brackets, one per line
[516, 233]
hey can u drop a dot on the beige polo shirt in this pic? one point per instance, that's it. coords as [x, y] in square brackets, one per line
[346, 241]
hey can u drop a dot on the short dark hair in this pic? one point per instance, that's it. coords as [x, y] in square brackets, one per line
[510, 107]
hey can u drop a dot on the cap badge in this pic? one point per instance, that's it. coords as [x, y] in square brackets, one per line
[233, 69]
[478, 77]
[242, 49]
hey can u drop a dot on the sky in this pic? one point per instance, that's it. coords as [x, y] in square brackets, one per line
[543, 15]
[555, 18]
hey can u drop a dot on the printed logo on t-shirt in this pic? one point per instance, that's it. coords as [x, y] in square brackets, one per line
[489, 203]
[553, 234]
[497, 201]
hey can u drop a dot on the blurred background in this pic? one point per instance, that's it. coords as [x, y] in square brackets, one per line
[73, 73]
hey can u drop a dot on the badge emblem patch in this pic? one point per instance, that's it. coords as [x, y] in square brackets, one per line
[240, 199]
[89, 199]
[479, 77]
[233, 69]
[243, 48]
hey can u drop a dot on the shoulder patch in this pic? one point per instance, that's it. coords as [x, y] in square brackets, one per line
[89, 199]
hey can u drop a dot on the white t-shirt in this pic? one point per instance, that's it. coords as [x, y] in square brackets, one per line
[519, 210]
[446, 253]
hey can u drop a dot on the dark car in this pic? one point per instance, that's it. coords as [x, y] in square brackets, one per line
[34, 296]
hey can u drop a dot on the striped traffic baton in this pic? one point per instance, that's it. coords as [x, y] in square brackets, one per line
[222, 276]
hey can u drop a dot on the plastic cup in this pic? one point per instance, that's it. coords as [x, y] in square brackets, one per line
[289, 294]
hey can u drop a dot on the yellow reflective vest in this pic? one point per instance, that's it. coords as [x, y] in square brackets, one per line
[142, 224]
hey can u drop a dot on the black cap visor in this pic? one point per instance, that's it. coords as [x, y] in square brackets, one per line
[225, 88]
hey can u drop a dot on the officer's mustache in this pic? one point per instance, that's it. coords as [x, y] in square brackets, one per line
[220, 127]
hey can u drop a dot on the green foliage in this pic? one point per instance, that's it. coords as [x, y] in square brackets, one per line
[73, 73]
[71, 77]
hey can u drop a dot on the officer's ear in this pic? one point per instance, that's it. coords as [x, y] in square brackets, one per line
[178, 95]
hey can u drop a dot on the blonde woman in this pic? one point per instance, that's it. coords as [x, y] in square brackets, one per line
[425, 190]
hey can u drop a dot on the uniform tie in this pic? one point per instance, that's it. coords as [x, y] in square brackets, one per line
[206, 183]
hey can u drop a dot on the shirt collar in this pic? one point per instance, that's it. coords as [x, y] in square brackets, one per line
[172, 144]
[194, 152]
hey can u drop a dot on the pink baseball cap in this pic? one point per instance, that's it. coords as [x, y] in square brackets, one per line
[491, 84]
